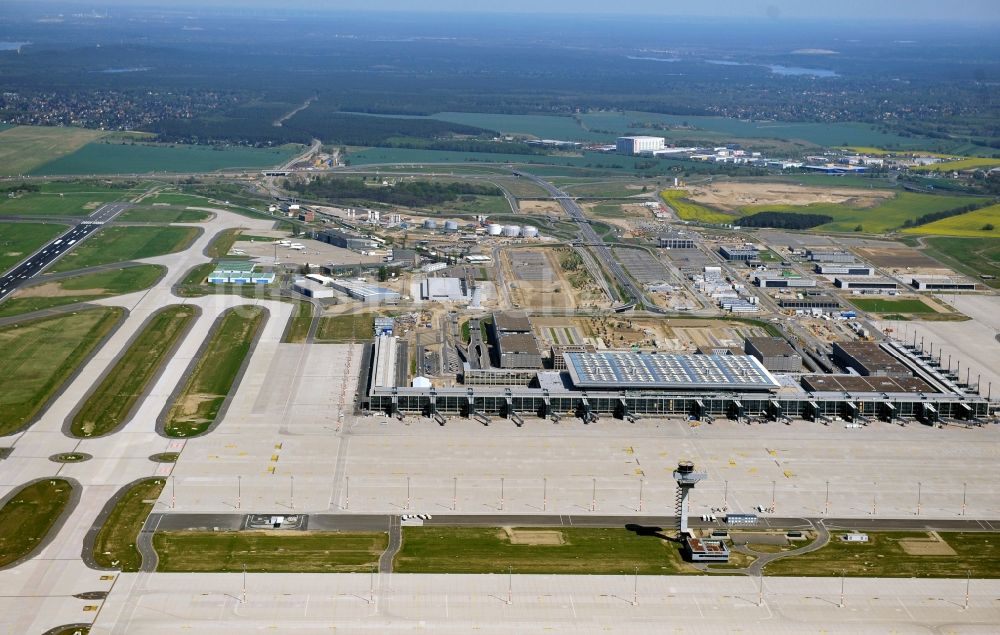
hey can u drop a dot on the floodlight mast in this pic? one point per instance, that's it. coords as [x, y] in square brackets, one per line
[686, 479]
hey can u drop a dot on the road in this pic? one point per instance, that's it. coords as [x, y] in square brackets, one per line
[38, 261]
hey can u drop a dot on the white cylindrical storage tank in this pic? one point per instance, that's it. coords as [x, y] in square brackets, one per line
[430, 224]
[511, 231]
[494, 229]
[530, 232]
[450, 226]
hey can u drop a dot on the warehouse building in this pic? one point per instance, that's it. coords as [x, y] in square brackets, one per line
[675, 241]
[868, 358]
[347, 240]
[444, 290]
[942, 283]
[823, 302]
[742, 253]
[845, 270]
[638, 145]
[497, 376]
[830, 255]
[511, 322]
[858, 384]
[369, 294]
[865, 283]
[313, 289]
[769, 280]
[774, 353]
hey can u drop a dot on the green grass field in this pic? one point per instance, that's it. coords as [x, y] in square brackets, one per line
[888, 216]
[57, 203]
[222, 243]
[690, 211]
[29, 515]
[289, 552]
[214, 373]
[144, 158]
[111, 402]
[85, 288]
[26, 148]
[40, 355]
[19, 240]
[881, 305]
[582, 551]
[884, 557]
[299, 324]
[971, 225]
[973, 256]
[114, 546]
[345, 328]
[162, 215]
[118, 244]
[198, 275]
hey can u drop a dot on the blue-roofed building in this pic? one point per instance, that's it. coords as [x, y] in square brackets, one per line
[623, 370]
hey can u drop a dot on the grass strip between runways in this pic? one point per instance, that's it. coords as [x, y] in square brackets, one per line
[215, 372]
[40, 355]
[29, 515]
[108, 406]
[114, 546]
[269, 551]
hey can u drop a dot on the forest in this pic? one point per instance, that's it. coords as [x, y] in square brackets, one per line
[405, 193]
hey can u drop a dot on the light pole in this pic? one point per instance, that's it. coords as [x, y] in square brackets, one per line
[826, 509]
[244, 583]
[635, 588]
[239, 491]
[841, 588]
[454, 493]
[347, 497]
[593, 496]
[291, 491]
[545, 494]
[642, 482]
[774, 485]
[964, 488]
[173, 492]
[725, 497]
[407, 492]
[501, 493]
[918, 497]
[968, 581]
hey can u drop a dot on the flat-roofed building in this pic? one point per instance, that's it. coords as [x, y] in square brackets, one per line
[868, 358]
[942, 283]
[774, 353]
[347, 240]
[384, 361]
[825, 303]
[845, 270]
[676, 241]
[705, 550]
[829, 255]
[511, 322]
[638, 145]
[444, 290]
[518, 350]
[622, 370]
[741, 253]
[559, 362]
[859, 384]
[865, 283]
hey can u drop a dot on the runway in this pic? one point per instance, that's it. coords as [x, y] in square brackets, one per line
[37, 262]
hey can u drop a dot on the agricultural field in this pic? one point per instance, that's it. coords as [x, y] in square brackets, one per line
[961, 164]
[900, 555]
[884, 305]
[271, 552]
[85, 288]
[118, 244]
[144, 158]
[19, 240]
[40, 355]
[345, 328]
[690, 211]
[112, 401]
[29, 515]
[981, 223]
[162, 215]
[114, 546]
[74, 203]
[215, 371]
[974, 256]
[563, 550]
[26, 148]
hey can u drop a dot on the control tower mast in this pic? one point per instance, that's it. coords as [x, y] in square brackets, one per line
[686, 479]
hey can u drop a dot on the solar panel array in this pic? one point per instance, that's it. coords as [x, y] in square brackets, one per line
[645, 370]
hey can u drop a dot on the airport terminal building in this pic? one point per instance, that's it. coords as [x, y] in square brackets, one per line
[626, 385]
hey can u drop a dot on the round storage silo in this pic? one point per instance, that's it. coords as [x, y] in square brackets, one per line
[451, 226]
[494, 229]
[430, 224]
[511, 231]
[530, 232]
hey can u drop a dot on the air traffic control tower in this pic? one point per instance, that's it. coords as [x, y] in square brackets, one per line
[686, 479]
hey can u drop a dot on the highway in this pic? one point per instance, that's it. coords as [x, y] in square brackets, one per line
[590, 237]
[38, 261]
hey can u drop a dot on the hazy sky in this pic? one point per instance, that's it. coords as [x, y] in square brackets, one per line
[954, 10]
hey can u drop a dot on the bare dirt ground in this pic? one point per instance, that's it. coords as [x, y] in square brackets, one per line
[540, 295]
[540, 207]
[533, 537]
[728, 195]
[932, 545]
[901, 257]
[54, 290]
